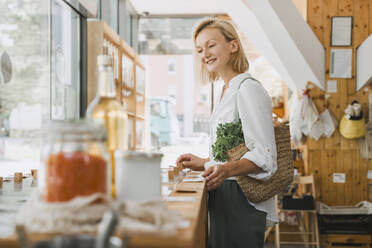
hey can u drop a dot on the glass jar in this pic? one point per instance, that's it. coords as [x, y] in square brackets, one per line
[74, 160]
[138, 176]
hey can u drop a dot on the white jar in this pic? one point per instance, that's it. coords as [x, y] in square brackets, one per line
[138, 176]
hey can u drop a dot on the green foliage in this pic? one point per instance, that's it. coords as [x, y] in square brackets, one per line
[229, 135]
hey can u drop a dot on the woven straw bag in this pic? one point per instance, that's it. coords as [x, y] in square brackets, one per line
[258, 190]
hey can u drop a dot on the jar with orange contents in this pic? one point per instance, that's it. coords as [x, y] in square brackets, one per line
[75, 161]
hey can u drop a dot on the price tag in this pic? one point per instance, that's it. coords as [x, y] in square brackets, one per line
[200, 179]
[369, 174]
[339, 177]
[180, 198]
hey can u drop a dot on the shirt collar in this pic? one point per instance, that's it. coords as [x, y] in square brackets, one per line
[233, 86]
[235, 81]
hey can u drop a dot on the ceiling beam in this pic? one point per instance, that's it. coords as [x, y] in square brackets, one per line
[364, 62]
[282, 36]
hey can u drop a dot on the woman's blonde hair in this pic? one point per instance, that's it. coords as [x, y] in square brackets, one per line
[238, 59]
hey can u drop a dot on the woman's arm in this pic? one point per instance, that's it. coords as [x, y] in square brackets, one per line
[241, 167]
[255, 112]
[259, 162]
[192, 162]
[215, 175]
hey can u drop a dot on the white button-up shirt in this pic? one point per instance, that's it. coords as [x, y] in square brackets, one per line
[255, 112]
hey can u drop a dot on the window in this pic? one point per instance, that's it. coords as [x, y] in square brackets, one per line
[65, 52]
[171, 66]
[109, 13]
[165, 35]
[172, 91]
[158, 109]
[24, 92]
[127, 22]
[42, 73]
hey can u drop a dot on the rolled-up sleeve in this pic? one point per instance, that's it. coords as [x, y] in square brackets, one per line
[255, 112]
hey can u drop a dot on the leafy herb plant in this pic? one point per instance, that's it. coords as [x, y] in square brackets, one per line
[229, 135]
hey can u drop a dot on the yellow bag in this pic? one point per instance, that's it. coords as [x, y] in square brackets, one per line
[352, 129]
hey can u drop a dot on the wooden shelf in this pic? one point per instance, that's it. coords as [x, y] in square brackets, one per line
[298, 163]
[123, 86]
[279, 111]
[99, 35]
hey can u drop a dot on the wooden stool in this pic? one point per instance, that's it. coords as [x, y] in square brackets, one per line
[308, 230]
[348, 240]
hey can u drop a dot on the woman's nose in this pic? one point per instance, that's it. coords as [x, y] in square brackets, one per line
[206, 54]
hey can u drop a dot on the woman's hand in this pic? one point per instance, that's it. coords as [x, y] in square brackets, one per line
[215, 175]
[193, 162]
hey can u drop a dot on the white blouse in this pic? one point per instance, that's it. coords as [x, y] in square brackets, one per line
[255, 112]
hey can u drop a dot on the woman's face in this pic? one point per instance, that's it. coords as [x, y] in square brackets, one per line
[214, 50]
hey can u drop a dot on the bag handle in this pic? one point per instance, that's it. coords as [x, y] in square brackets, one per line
[236, 111]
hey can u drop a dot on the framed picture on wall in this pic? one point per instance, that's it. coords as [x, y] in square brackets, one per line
[341, 63]
[341, 34]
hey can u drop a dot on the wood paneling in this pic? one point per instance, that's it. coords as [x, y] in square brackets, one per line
[370, 18]
[337, 154]
[325, 177]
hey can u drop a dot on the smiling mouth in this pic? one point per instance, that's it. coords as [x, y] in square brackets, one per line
[210, 61]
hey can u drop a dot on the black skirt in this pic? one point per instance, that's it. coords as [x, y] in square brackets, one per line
[233, 221]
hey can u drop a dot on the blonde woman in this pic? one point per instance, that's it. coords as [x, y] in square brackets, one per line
[234, 221]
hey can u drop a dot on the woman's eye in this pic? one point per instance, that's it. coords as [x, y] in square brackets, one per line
[199, 51]
[210, 46]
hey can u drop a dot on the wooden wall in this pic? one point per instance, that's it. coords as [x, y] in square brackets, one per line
[337, 154]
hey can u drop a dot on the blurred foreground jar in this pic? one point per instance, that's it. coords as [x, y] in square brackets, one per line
[74, 160]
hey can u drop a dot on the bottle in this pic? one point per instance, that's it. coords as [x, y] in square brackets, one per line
[105, 107]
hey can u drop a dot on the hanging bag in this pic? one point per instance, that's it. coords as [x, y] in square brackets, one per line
[352, 125]
[258, 190]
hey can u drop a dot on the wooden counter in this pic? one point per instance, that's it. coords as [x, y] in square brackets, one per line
[195, 212]
[195, 235]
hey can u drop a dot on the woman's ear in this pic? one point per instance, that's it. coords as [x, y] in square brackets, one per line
[234, 46]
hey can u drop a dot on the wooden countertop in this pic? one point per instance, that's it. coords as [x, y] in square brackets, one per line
[195, 235]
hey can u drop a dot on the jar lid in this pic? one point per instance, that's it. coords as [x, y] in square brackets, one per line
[76, 129]
[129, 155]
